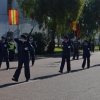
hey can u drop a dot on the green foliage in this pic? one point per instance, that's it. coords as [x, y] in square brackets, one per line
[52, 12]
[90, 16]
[27, 7]
[41, 40]
[56, 14]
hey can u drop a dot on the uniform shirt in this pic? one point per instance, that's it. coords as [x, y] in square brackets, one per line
[76, 45]
[66, 48]
[4, 48]
[21, 48]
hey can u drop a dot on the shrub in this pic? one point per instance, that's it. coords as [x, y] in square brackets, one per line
[41, 40]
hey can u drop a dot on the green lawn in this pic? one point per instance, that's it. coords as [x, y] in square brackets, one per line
[59, 49]
[96, 47]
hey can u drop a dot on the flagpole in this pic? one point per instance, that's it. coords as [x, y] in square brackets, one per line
[18, 22]
[18, 25]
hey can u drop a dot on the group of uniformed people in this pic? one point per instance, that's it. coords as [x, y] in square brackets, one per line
[66, 53]
[6, 51]
[25, 48]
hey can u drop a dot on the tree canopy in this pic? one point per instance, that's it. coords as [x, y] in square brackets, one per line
[90, 16]
[57, 15]
[52, 12]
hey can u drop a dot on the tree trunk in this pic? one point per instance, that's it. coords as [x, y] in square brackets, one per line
[58, 43]
[99, 42]
[51, 46]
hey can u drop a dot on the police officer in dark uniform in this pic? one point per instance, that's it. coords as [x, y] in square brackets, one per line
[92, 46]
[4, 52]
[65, 54]
[32, 52]
[86, 54]
[76, 49]
[24, 57]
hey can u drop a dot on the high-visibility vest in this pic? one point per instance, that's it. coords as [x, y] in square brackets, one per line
[11, 46]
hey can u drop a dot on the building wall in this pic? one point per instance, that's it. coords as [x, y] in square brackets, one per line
[25, 25]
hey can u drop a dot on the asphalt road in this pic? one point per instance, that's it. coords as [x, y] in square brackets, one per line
[47, 83]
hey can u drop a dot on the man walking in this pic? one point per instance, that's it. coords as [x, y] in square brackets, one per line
[76, 49]
[65, 54]
[24, 57]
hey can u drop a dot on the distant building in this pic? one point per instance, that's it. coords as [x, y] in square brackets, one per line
[25, 25]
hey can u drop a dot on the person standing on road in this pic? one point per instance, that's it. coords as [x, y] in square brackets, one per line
[24, 57]
[4, 52]
[65, 54]
[86, 54]
[92, 46]
[76, 49]
[32, 52]
[11, 49]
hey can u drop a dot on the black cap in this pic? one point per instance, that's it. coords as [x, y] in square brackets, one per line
[86, 40]
[24, 36]
[66, 37]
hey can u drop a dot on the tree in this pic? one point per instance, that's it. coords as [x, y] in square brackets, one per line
[55, 14]
[90, 17]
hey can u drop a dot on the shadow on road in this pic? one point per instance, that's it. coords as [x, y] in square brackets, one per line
[43, 77]
[10, 84]
[96, 65]
[46, 77]
[37, 78]
[77, 70]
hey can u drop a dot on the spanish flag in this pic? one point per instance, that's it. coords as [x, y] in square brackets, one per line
[78, 35]
[73, 25]
[13, 17]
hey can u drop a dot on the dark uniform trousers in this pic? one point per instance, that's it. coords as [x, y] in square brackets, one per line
[84, 62]
[32, 54]
[76, 53]
[76, 50]
[67, 58]
[23, 60]
[4, 53]
[86, 55]
[11, 55]
[6, 58]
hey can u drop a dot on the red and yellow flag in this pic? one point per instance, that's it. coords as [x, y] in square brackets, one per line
[73, 25]
[78, 35]
[13, 17]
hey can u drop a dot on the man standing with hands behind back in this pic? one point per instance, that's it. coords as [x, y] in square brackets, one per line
[65, 54]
